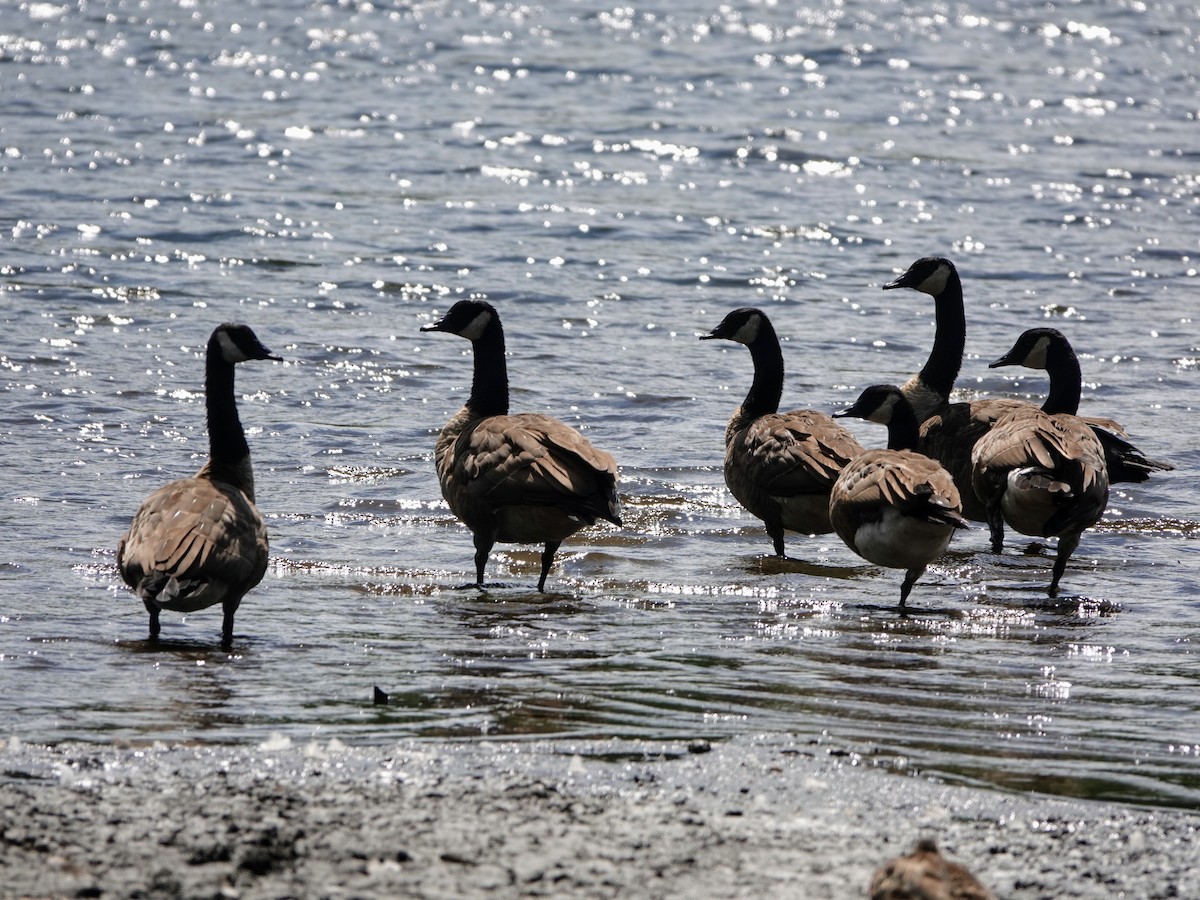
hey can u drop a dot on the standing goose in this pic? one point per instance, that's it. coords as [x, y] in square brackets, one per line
[200, 541]
[895, 507]
[779, 466]
[1049, 349]
[519, 479]
[1045, 476]
[948, 430]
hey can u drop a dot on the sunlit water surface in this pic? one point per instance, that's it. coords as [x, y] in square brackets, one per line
[614, 179]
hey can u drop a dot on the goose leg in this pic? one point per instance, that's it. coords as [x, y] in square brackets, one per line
[1066, 546]
[483, 546]
[910, 578]
[230, 608]
[547, 561]
[154, 626]
[776, 533]
[995, 520]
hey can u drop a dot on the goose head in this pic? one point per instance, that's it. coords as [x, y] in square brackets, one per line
[470, 319]
[929, 275]
[878, 403]
[237, 343]
[1033, 349]
[742, 326]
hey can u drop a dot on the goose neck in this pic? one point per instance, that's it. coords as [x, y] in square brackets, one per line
[489, 382]
[1062, 365]
[903, 428]
[229, 454]
[949, 340]
[767, 388]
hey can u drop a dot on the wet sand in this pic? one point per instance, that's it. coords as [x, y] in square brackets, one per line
[764, 817]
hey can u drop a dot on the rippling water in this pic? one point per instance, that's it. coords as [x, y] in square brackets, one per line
[614, 179]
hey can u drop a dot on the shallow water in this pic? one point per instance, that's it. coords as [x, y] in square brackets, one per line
[614, 179]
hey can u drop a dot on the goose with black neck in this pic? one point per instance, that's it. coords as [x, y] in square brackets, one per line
[896, 508]
[200, 541]
[522, 478]
[779, 466]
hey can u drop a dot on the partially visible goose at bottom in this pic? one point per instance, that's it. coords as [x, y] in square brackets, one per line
[925, 874]
[523, 479]
[895, 507]
[201, 541]
[1049, 349]
[779, 466]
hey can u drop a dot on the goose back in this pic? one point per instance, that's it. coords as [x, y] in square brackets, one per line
[895, 508]
[1047, 472]
[528, 478]
[950, 435]
[1043, 475]
[194, 543]
[781, 466]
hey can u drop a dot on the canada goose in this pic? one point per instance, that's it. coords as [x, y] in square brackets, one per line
[895, 507]
[1049, 349]
[925, 874]
[1045, 476]
[779, 466]
[519, 479]
[200, 541]
[948, 430]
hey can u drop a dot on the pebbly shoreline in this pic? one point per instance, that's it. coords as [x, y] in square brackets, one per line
[754, 817]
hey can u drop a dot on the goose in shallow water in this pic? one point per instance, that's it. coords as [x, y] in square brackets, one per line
[895, 507]
[779, 466]
[1043, 474]
[200, 541]
[521, 479]
[948, 430]
[1049, 349]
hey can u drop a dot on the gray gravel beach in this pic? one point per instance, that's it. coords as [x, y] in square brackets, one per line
[754, 817]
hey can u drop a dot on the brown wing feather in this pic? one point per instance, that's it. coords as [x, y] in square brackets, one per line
[798, 452]
[1068, 451]
[1035, 438]
[531, 460]
[195, 530]
[892, 478]
[950, 435]
[1104, 424]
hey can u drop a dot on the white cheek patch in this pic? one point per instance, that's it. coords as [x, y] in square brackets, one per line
[1036, 357]
[883, 412]
[477, 326]
[748, 333]
[230, 351]
[935, 283]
